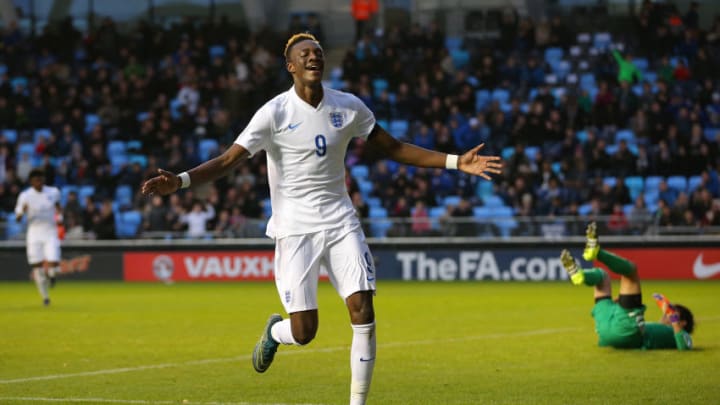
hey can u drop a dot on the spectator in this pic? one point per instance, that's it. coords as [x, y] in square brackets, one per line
[197, 219]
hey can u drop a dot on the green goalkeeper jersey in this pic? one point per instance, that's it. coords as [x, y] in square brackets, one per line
[661, 336]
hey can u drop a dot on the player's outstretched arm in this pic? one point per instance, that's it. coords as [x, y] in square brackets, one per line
[167, 183]
[469, 162]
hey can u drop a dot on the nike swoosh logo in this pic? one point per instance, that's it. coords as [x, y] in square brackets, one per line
[371, 359]
[371, 279]
[702, 270]
[291, 126]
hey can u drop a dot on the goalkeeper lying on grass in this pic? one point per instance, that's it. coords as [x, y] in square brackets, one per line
[622, 324]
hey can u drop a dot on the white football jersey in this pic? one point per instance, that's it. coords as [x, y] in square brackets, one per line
[40, 211]
[306, 149]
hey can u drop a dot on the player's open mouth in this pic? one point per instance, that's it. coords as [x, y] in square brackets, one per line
[314, 68]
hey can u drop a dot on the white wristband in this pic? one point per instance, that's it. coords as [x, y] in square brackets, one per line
[185, 180]
[451, 162]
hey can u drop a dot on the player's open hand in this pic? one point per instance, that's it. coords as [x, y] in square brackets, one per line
[165, 183]
[472, 163]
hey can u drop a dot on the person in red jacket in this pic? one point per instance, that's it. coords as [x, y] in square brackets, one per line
[362, 11]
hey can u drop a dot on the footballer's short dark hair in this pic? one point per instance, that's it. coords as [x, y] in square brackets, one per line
[687, 316]
[36, 173]
[303, 36]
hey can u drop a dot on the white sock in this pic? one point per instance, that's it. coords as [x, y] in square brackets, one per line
[53, 271]
[41, 282]
[281, 332]
[362, 362]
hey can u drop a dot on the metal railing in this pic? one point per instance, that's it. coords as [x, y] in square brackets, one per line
[500, 228]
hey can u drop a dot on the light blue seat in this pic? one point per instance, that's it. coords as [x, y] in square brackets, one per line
[581, 136]
[482, 99]
[611, 149]
[133, 145]
[84, 192]
[65, 191]
[373, 202]
[123, 195]
[693, 183]
[142, 116]
[267, 207]
[398, 128]
[641, 63]
[377, 212]
[584, 209]
[360, 171]
[142, 160]
[117, 163]
[652, 184]
[553, 55]
[711, 134]
[44, 133]
[26, 149]
[626, 135]
[91, 120]
[636, 185]
[10, 135]
[602, 41]
[507, 152]
[678, 183]
[453, 42]
[503, 219]
[129, 224]
[216, 51]
[610, 181]
[531, 152]
[484, 188]
[460, 58]
[207, 148]
[501, 96]
[451, 200]
[493, 201]
[379, 85]
[365, 186]
[116, 148]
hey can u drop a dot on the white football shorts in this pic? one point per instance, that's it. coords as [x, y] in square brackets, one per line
[39, 250]
[299, 259]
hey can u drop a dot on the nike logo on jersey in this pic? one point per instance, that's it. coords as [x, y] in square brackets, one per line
[702, 270]
[291, 126]
[364, 360]
[371, 279]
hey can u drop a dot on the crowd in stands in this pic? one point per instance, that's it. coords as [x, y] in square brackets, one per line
[619, 125]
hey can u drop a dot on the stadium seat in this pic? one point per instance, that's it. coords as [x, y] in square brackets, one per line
[587, 81]
[641, 63]
[41, 133]
[693, 183]
[373, 202]
[336, 73]
[115, 148]
[553, 55]
[398, 128]
[379, 85]
[581, 136]
[585, 209]
[531, 152]
[13, 229]
[133, 146]
[493, 201]
[452, 43]
[207, 148]
[482, 213]
[711, 134]
[610, 181]
[507, 152]
[142, 116]
[484, 189]
[10, 135]
[91, 120]
[360, 171]
[377, 212]
[627, 209]
[678, 183]
[602, 41]
[365, 187]
[650, 77]
[583, 38]
[117, 163]
[503, 219]
[84, 192]
[636, 185]
[217, 51]
[65, 191]
[267, 207]
[460, 58]
[626, 135]
[482, 99]
[175, 105]
[139, 159]
[129, 224]
[124, 195]
[651, 200]
[451, 200]
[562, 69]
[501, 96]
[611, 149]
[652, 184]
[26, 149]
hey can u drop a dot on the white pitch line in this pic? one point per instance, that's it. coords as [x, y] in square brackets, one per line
[134, 401]
[284, 353]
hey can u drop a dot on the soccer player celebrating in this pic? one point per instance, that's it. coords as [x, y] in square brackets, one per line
[305, 132]
[622, 324]
[41, 204]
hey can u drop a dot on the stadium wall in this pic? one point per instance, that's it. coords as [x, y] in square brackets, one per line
[427, 259]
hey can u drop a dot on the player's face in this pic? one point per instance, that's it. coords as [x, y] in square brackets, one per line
[37, 182]
[307, 62]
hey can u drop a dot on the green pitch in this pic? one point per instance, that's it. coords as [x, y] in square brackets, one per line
[460, 343]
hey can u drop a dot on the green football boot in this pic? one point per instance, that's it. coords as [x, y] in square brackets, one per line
[577, 277]
[592, 247]
[265, 349]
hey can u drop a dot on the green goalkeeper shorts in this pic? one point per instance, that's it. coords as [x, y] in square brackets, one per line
[618, 327]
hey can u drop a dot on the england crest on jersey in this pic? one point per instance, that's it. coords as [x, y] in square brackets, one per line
[337, 119]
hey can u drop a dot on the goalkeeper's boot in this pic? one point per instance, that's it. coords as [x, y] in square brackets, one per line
[265, 349]
[592, 247]
[577, 277]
